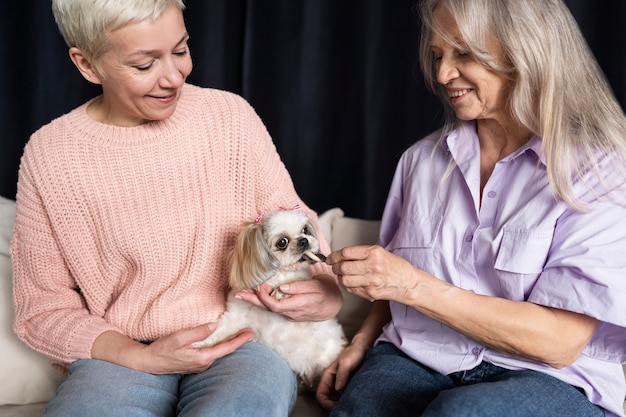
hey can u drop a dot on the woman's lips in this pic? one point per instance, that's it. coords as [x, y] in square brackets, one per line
[456, 95]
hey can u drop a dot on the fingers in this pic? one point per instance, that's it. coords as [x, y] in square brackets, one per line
[357, 260]
[332, 383]
[175, 353]
[197, 333]
[326, 394]
[335, 378]
[359, 268]
[309, 300]
[341, 377]
[251, 297]
[231, 343]
[349, 253]
[205, 356]
[373, 273]
[302, 287]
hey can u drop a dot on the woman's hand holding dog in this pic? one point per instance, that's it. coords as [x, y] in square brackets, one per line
[168, 354]
[311, 300]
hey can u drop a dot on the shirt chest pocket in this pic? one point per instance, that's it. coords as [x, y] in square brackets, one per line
[520, 259]
[415, 240]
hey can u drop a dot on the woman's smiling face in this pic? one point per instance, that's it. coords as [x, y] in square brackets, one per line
[474, 91]
[144, 70]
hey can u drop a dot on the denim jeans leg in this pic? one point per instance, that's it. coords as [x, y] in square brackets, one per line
[389, 383]
[522, 393]
[252, 381]
[96, 388]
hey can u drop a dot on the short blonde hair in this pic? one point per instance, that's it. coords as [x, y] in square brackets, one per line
[559, 91]
[84, 24]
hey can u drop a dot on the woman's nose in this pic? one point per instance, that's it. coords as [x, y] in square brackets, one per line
[171, 76]
[447, 70]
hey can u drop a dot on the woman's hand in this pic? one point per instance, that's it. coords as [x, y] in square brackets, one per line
[311, 300]
[374, 273]
[335, 378]
[169, 354]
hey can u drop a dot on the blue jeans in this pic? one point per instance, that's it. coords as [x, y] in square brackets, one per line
[252, 381]
[389, 383]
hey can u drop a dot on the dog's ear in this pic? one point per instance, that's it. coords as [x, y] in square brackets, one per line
[312, 230]
[252, 261]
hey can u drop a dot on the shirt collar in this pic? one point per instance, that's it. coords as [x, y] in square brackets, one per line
[462, 143]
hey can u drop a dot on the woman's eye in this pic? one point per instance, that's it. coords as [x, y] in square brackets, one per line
[181, 52]
[145, 67]
[282, 243]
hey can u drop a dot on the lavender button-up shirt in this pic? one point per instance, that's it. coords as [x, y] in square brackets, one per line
[522, 243]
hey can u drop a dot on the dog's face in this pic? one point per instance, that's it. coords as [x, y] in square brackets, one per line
[278, 241]
[289, 234]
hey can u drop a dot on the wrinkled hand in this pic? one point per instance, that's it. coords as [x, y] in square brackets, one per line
[311, 300]
[373, 273]
[335, 378]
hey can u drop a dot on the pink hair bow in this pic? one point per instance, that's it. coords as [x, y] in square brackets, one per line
[260, 216]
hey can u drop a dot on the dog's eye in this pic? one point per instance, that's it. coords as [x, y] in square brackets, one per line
[306, 231]
[282, 243]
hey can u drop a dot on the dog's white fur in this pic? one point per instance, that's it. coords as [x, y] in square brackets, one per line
[272, 250]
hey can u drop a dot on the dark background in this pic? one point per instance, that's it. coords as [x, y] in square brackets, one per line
[337, 82]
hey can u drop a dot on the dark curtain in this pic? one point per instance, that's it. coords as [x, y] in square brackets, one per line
[337, 83]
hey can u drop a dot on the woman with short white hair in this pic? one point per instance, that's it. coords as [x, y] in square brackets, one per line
[128, 208]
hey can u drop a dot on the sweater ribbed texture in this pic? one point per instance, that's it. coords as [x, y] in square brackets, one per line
[128, 229]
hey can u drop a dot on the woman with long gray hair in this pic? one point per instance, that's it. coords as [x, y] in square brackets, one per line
[498, 287]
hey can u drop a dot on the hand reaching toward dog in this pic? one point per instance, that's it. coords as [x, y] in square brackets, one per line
[311, 300]
[336, 376]
[169, 354]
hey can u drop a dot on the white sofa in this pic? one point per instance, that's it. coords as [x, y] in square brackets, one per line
[27, 381]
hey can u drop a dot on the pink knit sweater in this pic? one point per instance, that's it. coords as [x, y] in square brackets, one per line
[128, 229]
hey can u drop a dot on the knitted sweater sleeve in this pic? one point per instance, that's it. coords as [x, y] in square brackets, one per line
[47, 299]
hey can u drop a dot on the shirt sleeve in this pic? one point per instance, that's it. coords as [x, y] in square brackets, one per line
[586, 273]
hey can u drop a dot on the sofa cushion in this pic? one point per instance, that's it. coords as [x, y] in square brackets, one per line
[25, 375]
[7, 213]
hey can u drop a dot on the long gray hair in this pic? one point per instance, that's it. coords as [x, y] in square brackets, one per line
[559, 91]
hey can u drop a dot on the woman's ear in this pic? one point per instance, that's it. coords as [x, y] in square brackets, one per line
[84, 65]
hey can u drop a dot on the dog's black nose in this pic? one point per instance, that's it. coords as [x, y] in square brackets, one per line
[303, 243]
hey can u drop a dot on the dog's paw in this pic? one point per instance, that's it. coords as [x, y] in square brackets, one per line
[308, 382]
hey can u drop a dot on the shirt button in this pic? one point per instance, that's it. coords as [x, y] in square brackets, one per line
[476, 351]
[469, 238]
[492, 194]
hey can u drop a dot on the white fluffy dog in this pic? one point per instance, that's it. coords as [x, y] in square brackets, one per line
[278, 248]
